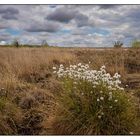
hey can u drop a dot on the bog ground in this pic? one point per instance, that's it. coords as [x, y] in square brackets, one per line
[30, 92]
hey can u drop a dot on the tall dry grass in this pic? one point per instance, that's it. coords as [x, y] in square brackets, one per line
[18, 64]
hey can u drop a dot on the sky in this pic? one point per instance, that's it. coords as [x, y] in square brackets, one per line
[70, 25]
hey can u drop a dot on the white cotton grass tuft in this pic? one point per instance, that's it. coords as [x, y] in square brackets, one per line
[83, 72]
[131, 133]
[101, 98]
[116, 101]
[54, 68]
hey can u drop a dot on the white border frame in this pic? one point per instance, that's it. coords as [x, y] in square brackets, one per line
[69, 2]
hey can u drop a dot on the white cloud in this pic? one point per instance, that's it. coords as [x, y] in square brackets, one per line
[2, 42]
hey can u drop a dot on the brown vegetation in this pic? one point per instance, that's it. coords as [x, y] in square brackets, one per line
[28, 88]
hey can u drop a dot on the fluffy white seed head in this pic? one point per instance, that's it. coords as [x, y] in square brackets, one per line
[83, 72]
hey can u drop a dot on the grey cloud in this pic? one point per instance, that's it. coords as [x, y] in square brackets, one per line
[9, 13]
[66, 14]
[45, 27]
[134, 15]
[52, 6]
[9, 16]
[82, 20]
[5, 37]
[2, 26]
[62, 15]
[80, 32]
[107, 6]
[9, 10]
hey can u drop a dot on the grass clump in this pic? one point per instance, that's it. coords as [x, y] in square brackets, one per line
[93, 103]
[9, 117]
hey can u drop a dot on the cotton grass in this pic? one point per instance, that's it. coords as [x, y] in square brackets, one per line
[92, 102]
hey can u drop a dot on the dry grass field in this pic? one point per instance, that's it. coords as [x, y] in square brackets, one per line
[29, 90]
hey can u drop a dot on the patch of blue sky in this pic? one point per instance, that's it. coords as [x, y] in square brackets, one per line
[13, 31]
[98, 31]
[64, 31]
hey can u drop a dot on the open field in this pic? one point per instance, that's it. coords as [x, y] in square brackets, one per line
[29, 91]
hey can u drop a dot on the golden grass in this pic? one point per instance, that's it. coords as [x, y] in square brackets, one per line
[16, 64]
[26, 59]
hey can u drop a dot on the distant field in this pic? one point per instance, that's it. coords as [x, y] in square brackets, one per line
[28, 87]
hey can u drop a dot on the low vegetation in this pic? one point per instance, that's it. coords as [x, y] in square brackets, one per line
[118, 44]
[34, 101]
[93, 103]
[136, 44]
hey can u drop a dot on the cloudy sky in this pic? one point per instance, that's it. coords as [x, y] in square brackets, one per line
[70, 25]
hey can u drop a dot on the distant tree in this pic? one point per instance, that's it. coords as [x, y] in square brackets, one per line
[16, 43]
[136, 44]
[118, 44]
[44, 43]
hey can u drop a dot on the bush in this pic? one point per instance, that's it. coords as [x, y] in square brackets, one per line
[93, 103]
[136, 44]
[118, 44]
[45, 44]
[16, 43]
